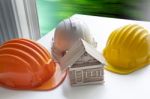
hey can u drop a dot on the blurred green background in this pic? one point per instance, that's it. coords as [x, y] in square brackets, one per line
[51, 12]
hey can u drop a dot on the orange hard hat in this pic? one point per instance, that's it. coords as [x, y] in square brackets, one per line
[25, 64]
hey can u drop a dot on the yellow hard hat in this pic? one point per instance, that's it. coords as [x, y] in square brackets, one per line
[127, 49]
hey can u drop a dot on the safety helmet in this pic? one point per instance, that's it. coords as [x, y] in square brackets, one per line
[127, 49]
[68, 32]
[25, 64]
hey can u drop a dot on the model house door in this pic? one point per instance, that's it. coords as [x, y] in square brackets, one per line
[79, 76]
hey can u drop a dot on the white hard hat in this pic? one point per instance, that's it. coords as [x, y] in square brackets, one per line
[68, 32]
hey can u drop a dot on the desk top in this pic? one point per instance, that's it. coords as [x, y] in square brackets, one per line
[133, 86]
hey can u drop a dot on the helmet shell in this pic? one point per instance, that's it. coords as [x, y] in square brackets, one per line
[24, 64]
[127, 49]
[67, 33]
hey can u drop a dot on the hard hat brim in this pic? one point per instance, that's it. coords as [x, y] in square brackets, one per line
[54, 82]
[121, 71]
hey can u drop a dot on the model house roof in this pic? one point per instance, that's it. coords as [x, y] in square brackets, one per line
[77, 50]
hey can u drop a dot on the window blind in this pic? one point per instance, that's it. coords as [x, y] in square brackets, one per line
[18, 19]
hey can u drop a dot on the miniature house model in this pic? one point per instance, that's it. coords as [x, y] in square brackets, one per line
[85, 62]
